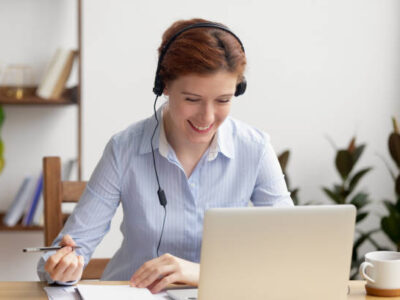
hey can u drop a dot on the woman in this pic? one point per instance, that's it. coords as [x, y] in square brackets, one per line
[204, 159]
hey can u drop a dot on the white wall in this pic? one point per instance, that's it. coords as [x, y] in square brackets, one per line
[315, 68]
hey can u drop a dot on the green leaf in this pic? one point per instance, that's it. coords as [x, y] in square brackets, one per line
[363, 237]
[397, 185]
[360, 200]
[341, 192]
[376, 244]
[336, 198]
[391, 227]
[357, 153]
[361, 216]
[283, 159]
[354, 268]
[360, 240]
[390, 206]
[356, 178]
[293, 195]
[394, 147]
[344, 163]
[397, 205]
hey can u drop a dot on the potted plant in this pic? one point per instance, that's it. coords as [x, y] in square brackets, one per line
[345, 193]
[283, 160]
[390, 224]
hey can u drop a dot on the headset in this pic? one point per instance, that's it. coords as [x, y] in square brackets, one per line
[158, 82]
[159, 88]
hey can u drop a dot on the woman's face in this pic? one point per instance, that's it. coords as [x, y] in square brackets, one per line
[198, 104]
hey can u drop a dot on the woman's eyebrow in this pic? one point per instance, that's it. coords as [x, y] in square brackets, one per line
[224, 95]
[187, 93]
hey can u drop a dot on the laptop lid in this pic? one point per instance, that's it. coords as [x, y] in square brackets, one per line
[301, 252]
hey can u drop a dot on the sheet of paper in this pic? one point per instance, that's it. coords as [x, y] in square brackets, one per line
[120, 292]
[62, 293]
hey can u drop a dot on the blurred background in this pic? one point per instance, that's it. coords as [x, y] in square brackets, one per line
[319, 73]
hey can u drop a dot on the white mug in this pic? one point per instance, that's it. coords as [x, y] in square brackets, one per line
[381, 269]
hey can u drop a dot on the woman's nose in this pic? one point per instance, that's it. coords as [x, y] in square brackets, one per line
[207, 114]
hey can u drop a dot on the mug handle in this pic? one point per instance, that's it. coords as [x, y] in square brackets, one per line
[363, 274]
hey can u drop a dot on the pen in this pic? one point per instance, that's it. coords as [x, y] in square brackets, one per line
[38, 249]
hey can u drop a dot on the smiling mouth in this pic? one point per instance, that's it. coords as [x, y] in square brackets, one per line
[201, 129]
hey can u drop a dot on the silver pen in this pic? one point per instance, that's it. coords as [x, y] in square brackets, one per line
[40, 249]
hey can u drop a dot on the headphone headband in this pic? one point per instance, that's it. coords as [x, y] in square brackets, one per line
[158, 83]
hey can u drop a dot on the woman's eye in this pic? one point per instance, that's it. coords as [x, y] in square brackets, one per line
[224, 100]
[191, 99]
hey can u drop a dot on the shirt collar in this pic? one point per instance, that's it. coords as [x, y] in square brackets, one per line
[224, 139]
[221, 143]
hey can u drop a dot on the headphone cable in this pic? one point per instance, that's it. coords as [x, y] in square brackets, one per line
[161, 194]
[162, 231]
[151, 142]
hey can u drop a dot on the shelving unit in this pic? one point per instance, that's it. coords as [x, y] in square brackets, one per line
[71, 96]
[20, 227]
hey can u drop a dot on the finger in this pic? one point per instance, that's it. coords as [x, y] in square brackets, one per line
[151, 286]
[141, 274]
[53, 260]
[155, 274]
[64, 263]
[71, 268]
[79, 270]
[67, 241]
[145, 269]
[142, 270]
[163, 283]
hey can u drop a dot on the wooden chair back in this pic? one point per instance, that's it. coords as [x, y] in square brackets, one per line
[55, 192]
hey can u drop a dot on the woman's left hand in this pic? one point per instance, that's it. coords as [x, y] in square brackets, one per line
[157, 273]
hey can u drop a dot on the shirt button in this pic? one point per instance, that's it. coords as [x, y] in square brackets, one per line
[192, 185]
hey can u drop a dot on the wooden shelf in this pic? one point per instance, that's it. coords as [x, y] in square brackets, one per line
[69, 97]
[18, 227]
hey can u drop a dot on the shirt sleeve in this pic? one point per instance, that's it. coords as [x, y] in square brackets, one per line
[270, 188]
[91, 218]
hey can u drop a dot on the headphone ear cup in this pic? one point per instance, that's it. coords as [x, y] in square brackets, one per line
[158, 86]
[241, 87]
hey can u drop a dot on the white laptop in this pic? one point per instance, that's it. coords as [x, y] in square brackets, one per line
[302, 252]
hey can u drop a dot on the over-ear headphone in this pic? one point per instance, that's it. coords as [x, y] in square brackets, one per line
[159, 83]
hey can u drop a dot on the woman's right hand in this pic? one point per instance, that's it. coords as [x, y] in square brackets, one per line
[65, 265]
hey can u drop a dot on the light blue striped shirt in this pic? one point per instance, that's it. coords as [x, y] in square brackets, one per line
[239, 166]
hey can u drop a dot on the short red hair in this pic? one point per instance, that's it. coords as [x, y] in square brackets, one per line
[201, 51]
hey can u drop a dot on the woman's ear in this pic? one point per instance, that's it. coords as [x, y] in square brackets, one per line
[165, 91]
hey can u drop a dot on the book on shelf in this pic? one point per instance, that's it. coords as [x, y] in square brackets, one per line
[33, 203]
[38, 215]
[28, 203]
[20, 202]
[56, 74]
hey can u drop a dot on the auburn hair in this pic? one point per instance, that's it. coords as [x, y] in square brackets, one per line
[202, 51]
